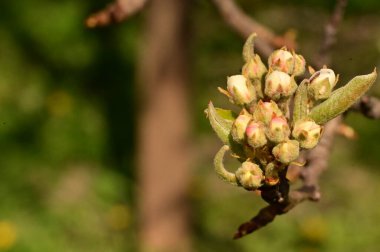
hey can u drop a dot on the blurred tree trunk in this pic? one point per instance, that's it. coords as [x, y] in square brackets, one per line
[164, 124]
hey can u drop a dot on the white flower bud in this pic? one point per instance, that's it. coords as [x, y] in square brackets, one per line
[240, 89]
[249, 176]
[255, 68]
[279, 84]
[278, 129]
[264, 111]
[299, 64]
[239, 127]
[281, 60]
[287, 151]
[256, 134]
[322, 83]
[307, 132]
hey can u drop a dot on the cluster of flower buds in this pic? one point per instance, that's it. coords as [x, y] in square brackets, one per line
[279, 115]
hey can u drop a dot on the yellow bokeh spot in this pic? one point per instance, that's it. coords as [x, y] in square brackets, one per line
[118, 217]
[314, 229]
[59, 103]
[8, 235]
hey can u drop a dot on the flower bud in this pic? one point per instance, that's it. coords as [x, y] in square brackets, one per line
[307, 132]
[287, 151]
[256, 134]
[281, 60]
[249, 176]
[271, 174]
[278, 129]
[299, 64]
[239, 126]
[321, 84]
[240, 89]
[279, 84]
[264, 111]
[254, 68]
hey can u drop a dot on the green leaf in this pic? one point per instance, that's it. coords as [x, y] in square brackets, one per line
[220, 169]
[342, 98]
[221, 121]
[248, 48]
[300, 102]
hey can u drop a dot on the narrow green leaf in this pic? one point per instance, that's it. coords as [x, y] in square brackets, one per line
[248, 48]
[221, 170]
[342, 98]
[300, 102]
[221, 121]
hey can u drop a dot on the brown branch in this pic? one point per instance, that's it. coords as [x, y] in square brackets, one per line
[116, 12]
[246, 25]
[331, 29]
[368, 106]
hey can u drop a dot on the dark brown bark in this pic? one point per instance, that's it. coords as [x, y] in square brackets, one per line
[164, 146]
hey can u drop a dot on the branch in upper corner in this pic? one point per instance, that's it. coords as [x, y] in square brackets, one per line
[116, 12]
[331, 29]
[245, 26]
[368, 106]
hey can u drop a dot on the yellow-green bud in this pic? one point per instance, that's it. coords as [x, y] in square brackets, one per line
[278, 129]
[249, 175]
[279, 84]
[321, 84]
[264, 111]
[239, 126]
[299, 64]
[256, 134]
[254, 68]
[307, 132]
[281, 60]
[240, 89]
[271, 174]
[287, 151]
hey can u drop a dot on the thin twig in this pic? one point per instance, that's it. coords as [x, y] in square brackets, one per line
[368, 106]
[116, 12]
[246, 25]
[331, 29]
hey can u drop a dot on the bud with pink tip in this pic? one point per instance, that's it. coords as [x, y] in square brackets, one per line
[278, 129]
[254, 68]
[249, 176]
[240, 89]
[281, 60]
[255, 133]
[279, 85]
[299, 64]
[307, 132]
[322, 83]
[287, 151]
[264, 111]
[239, 127]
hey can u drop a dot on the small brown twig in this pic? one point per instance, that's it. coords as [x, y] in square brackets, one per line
[331, 29]
[246, 25]
[116, 12]
[368, 106]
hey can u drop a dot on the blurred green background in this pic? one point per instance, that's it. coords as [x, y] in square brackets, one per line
[68, 126]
